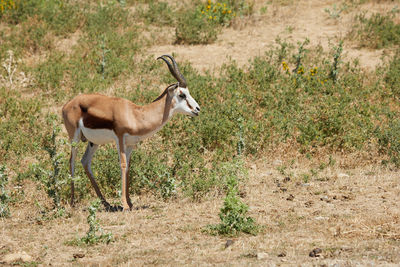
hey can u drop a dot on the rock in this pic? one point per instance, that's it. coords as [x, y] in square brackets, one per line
[286, 179]
[262, 256]
[315, 252]
[78, 255]
[228, 243]
[281, 255]
[290, 197]
[343, 175]
[308, 203]
[18, 256]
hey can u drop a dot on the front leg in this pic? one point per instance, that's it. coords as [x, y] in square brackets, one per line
[126, 202]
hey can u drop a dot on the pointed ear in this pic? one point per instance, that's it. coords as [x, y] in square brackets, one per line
[172, 88]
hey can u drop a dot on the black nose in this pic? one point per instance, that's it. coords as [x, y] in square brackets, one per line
[197, 108]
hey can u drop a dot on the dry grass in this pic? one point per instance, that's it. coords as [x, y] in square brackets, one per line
[352, 215]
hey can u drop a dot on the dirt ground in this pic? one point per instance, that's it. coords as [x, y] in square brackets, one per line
[351, 215]
[345, 215]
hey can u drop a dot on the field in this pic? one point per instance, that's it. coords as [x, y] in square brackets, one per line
[293, 161]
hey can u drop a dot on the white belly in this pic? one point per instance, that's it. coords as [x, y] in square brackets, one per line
[98, 136]
[105, 136]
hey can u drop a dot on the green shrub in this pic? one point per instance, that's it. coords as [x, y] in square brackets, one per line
[377, 31]
[193, 28]
[158, 13]
[202, 24]
[388, 138]
[392, 76]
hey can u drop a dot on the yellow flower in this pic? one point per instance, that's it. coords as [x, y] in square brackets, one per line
[215, 17]
[223, 11]
[285, 66]
[229, 12]
[208, 7]
[210, 17]
[209, 2]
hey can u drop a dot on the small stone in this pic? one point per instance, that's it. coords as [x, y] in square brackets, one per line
[308, 203]
[315, 252]
[343, 175]
[286, 179]
[325, 198]
[281, 255]
[78, 255]
[290, 197]
[228, 243]
[262, 256]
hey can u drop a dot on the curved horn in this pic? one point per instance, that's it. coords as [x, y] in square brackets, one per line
[174, 70]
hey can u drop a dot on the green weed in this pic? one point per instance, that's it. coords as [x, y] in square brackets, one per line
[95, 234]
[92, 237]
[233, 214]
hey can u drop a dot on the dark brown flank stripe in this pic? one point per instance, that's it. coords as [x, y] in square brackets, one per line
[93, 122]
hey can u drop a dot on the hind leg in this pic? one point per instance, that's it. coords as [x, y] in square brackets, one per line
[74, 150]
[87, 162]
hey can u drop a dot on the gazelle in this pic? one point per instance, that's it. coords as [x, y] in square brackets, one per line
[100, 119]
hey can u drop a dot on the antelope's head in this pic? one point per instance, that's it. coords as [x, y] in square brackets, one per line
[182, 101]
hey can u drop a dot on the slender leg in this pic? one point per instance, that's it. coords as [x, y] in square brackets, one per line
[126, 202]
[72, 171]
[74, 151]
[128, 151]
[87, 162]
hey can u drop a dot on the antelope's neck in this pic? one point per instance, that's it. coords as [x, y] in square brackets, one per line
[155, 115]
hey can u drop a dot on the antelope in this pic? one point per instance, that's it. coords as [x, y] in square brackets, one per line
[101, 119]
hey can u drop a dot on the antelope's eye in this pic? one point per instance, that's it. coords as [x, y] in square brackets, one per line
[183, 96]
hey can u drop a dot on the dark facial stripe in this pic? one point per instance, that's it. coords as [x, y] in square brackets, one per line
[187, 102]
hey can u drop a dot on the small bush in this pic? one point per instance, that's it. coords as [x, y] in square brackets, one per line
[193, 28]
[392, 77]
[158, 13]
[388, 138]
[202, 24]
[377, 31]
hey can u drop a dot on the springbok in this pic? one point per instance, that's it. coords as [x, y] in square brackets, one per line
[101, 119]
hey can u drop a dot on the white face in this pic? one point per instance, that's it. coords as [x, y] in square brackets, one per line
[185, 103]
